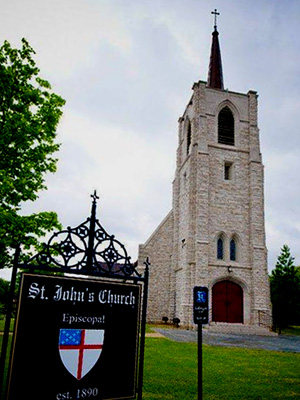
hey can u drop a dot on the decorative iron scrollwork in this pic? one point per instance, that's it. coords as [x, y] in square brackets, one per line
[85, 249]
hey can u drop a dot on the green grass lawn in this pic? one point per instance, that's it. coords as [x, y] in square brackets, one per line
[2, 324]
[6, 369]
[291, 330]
[228, 373]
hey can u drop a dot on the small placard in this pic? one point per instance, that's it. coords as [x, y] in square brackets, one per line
[200, 305]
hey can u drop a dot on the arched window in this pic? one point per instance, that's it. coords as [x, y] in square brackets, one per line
[232, 250]
[220, 249]
[226, 127]
[188, 138]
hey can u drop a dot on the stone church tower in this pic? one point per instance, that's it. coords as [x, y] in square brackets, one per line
[214, 235]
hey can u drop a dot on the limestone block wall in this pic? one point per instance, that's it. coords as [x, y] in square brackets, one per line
[159, 250]
[229, 203]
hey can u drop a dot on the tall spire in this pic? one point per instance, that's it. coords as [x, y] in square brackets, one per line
[215, 74]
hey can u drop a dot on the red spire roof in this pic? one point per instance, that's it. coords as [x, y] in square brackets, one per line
[215, 74]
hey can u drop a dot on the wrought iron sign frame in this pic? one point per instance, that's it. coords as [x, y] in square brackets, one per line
[86, 250]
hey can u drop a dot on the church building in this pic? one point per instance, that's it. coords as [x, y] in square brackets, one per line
[214, 235]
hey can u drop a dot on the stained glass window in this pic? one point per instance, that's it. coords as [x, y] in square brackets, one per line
[220, 249]
[232, 250]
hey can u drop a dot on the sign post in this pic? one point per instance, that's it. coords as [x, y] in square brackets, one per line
[200, 308]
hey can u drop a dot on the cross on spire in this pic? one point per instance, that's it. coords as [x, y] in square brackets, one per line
[215, 12]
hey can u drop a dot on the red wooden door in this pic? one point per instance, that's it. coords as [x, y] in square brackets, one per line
[227, 302]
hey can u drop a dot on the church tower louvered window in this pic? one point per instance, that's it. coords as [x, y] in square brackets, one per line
[226, 127]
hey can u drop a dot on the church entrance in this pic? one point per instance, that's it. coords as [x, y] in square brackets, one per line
[227, 302]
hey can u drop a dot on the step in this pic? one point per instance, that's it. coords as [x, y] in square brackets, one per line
[238, 329]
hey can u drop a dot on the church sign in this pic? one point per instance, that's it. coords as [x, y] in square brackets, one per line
[75, 338]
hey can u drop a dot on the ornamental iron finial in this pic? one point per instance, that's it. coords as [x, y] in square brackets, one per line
[94, 196]
[86, 249]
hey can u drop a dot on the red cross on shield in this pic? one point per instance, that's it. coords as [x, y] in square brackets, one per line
[80, 349]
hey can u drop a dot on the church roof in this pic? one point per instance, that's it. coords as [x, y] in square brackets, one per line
[215, 74]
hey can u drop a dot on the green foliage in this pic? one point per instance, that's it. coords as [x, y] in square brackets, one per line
[285, 290]
[4, 290]
[29, 115]
[4, 297]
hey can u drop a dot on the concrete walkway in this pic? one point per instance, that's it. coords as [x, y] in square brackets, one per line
[285, 343]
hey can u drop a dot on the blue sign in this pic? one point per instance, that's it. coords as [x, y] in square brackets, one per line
[201, 296]
[200, 305]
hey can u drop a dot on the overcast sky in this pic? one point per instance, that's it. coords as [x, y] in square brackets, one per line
[126, 68]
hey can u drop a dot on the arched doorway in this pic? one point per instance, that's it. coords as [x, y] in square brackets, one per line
[227, 302]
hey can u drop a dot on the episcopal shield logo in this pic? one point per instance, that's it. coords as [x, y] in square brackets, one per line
[80, 349]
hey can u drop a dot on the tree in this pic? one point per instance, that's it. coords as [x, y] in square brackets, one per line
[29, 115]
[4, 289]
[285, 290]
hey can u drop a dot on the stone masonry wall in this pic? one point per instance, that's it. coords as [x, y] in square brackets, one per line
[159, 250]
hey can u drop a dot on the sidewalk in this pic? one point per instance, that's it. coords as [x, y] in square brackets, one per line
[285, 343]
